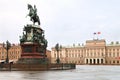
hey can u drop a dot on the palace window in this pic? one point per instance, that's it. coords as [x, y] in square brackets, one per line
[95, 54]
[113, 54]
[113, 61]
[78, 55]
[69, 55]
[66, 55]
[109, 54]
[117, 50]
[72, 55]
[117, 53]
[110, 50]
[113, 49]
[55, 55]
[117, 61]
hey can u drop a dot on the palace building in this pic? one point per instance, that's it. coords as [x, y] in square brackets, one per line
[94, 52]
[14, 53]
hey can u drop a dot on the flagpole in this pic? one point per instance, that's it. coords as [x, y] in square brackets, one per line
[97, 36]
[98, 33]
[94, 35]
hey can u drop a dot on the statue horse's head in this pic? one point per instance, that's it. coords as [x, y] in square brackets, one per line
[31, 11]
[29, 6]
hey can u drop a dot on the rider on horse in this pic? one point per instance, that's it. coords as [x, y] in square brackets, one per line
[33, 14]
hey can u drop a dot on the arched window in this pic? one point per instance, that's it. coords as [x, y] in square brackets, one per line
[97, 61]
[102, 61]
[86, 61]
[90, 61]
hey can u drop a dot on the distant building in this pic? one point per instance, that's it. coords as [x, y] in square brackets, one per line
[48, 53]
[14, 53]
[93, 52]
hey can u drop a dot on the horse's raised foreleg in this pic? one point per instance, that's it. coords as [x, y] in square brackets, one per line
[38, 20]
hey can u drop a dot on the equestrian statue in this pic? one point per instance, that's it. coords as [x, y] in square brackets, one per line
[33, 14]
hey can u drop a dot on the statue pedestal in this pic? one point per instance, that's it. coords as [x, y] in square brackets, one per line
[33, 45]
[32, 53]
[32, 50]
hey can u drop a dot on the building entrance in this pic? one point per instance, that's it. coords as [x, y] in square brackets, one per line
[94, 61]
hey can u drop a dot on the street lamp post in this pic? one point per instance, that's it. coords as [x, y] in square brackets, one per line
[7, 47]
[81, 59]
[58, 48]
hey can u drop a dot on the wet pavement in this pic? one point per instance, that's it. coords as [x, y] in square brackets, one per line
[82, 72]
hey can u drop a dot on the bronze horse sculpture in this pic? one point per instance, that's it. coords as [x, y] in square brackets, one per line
[33, 14]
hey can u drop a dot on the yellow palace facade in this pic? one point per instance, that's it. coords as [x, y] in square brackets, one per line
[94, 52]
[14, 53]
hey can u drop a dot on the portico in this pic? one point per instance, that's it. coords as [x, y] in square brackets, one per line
[94, 61]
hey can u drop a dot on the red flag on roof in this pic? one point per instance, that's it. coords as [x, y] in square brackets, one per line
[99, 33]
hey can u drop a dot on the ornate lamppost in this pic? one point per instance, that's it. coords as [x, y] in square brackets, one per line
[81, 59]
[7, 47]
[58, 48]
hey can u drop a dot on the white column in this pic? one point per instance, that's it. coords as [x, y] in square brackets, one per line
[111, 54]
[100, 54]
[85, 60]
[92, 61]
[96, 61]
[115, 54]
[93, 54]
[99, 61]
[104, 61]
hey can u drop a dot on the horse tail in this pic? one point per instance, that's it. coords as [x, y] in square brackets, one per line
[38, 20]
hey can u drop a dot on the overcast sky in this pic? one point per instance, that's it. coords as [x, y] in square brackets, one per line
[64, 21]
